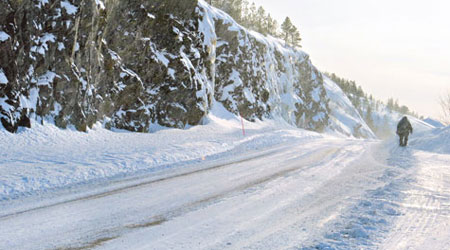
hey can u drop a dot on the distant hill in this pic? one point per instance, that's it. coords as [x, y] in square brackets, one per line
[434, 122]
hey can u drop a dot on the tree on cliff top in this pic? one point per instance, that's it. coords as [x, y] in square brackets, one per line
[286, 28]
[258, 19]
[290, 33]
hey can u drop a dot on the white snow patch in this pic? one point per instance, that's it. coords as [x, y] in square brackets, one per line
[316, 94]
[3, 36]
[3, 78]
[42, 3]
[46, 78]
[61, 46]
[249, 95]
[114, 55]
[5, 106]
[42, 45]
[70, 8]
[100, 3]
[171, 73]
[160, 56]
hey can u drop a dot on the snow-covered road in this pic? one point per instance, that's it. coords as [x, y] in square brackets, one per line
[316, 193]
[423, 203]
[266, 198]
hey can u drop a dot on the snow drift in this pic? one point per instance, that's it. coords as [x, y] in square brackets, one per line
[436, 140]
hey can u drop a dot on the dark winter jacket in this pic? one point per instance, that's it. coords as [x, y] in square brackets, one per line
[404, 127]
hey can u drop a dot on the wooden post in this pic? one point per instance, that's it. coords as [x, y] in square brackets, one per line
[242, 123]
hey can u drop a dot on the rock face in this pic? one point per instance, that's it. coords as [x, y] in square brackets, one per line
[131, 64]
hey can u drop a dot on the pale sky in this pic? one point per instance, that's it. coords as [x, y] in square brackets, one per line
[392, 48]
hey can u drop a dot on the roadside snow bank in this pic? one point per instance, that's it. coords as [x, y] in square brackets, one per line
[436, 140]
[45, 157]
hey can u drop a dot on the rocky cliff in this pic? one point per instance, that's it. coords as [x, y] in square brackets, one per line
[131, 64]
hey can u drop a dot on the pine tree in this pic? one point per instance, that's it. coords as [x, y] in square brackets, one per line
[252, 17]
[260, 21]
[368, 118]
[390, 104]
[237, 10]
[272, 27]
[245, 13]
[286, 28]
[295, 37]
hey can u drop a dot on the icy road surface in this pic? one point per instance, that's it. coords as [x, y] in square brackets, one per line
[325, 193]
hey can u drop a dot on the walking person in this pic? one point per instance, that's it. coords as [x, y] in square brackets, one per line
[404, 128]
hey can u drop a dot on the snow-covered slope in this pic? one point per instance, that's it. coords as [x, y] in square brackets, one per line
[436, 140]
[344, 118]
[434, 122]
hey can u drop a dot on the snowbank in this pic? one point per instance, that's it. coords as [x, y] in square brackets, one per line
[436, 140]
[434, 122]
[45, 157]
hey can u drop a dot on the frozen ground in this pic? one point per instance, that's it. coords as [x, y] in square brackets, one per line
[209, 187]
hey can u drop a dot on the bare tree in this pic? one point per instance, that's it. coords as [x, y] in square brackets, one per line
[444, 101]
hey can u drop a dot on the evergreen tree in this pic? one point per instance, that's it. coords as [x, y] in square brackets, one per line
[255, 18]
[234, 8]
[260, 21]
[286, 28]
[295, 37]
[369, 119]
[252, 17]
[390, 104]
[403, 109]
[237, 10]
[245, 13]
[271, 26]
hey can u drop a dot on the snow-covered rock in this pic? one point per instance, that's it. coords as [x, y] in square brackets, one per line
[138, 66]
[260, 77]
[344, 118]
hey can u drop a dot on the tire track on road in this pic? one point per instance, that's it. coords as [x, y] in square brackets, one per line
[309, 161]
[141, 184]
